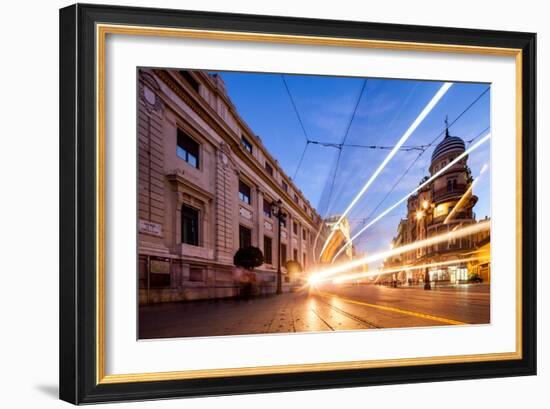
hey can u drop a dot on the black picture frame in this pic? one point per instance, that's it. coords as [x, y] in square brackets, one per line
[78, 258]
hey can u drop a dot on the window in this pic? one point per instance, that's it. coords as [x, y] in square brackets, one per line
[268, 247]
[284, 185]
[246, 144]
[267, 209]
[245, 237]
[189, 225]
[462, 274]
[283, 254]
[296, 199]
[304, 261]
[303, 234]
[190, 79]
[269, 168]
[295, 228]
[295, 254]
[451, 185]
[187, 149]
[244, 192]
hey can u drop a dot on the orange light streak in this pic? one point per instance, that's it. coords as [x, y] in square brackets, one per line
[464, 196]
[348, 277]
[465, 231]
[427, 109]
[434, 176]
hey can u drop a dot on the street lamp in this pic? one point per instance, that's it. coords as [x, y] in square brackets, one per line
[421, 215]
[277, 209]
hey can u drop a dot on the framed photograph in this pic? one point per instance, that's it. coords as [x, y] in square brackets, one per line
[258, 204]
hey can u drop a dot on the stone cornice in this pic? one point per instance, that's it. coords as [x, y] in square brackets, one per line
[177, 180]
[210, 116]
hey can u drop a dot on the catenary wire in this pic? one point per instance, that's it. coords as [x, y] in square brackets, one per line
[426, 147]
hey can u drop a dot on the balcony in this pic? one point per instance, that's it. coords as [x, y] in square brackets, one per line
[444, 194]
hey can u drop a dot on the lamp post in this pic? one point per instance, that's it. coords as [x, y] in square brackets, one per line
[277, 209]
[421, 215]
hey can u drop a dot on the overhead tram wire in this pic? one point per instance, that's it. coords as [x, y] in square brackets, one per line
[410, 130]
[420, 186]
[301, 125]
[300, 161]
[426, 147]
[406, 148]
[329, 198]
[295, 109]
[470, 141]
[341, 145]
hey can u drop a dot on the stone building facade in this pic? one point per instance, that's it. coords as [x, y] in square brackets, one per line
[339, 237]
[431, 212]
[206, 185]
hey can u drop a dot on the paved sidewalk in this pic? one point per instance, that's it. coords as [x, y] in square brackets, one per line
[331, 308]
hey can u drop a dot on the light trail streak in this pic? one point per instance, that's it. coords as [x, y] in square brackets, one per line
[462, 200]
[465, 231]
[427, 109]
[435, 175]
[315, 243]
[349, 277]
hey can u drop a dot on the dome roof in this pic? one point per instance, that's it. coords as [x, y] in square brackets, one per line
[448, 145]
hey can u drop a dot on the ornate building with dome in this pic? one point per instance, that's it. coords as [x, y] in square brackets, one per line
[445, 204]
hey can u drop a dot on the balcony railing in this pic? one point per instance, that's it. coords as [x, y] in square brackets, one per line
[456, 192]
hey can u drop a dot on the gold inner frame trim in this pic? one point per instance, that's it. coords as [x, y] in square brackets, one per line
[101, 33]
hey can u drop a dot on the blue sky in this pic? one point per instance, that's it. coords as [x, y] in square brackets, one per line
[386, 109]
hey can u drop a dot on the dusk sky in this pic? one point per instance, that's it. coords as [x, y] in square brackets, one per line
[385, 111]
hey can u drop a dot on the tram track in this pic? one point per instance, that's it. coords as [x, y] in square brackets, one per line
[362, 321]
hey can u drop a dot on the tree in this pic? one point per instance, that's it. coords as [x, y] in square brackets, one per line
[248, 257]
[292, 266]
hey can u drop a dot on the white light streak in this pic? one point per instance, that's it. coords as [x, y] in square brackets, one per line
[435, 175]
[349, 277]
[427, 109]
[315, 242]
[465, 231]
[460, 203]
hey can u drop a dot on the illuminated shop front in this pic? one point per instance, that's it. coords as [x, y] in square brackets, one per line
[452, 274]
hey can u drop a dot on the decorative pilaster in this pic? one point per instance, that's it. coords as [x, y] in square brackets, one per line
[225, 198]
[259, 220]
